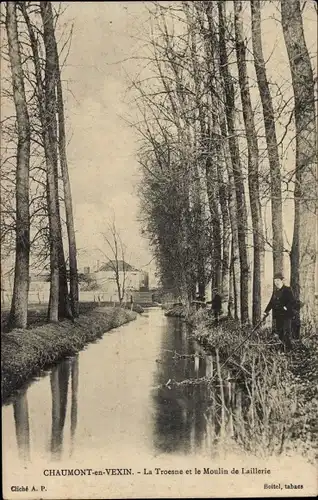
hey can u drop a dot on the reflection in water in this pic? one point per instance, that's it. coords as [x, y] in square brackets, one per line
[184, 418]
[22, 426]
[59, 379]
[179, 422]
[192, 417]
[59, 387]
[74, 371]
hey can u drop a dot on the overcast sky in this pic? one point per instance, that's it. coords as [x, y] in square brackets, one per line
[103, 167]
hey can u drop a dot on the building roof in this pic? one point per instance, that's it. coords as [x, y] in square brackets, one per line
[122, 266]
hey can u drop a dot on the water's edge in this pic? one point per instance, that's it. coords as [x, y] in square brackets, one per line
[25, 353]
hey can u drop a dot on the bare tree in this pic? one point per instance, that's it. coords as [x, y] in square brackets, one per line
[253, 163]
[304, 247]
[205, 165]
[19, 306]
[115, 255]
[67, 190]
[171, 162]
[271, 139]
[236, 163]
[59, 288]
[219, 143]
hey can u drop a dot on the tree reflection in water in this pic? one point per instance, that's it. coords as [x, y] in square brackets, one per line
[59, 379]
[59, 387]
[74, 372]
[193, 417]
[22, 425]
[179, 419]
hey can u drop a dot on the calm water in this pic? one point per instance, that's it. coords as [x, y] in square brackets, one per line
[110, 406]
[112, 397]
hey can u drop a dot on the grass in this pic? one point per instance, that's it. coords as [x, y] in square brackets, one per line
[176, 311]
[37, 313]
[25, 352]
[135, 307]
[267, 401]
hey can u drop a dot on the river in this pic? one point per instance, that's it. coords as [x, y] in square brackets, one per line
[113, 405]
[113, 396]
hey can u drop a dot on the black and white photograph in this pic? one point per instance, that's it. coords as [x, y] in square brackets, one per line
[159, 249]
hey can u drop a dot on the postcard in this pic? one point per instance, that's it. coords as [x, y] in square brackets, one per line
[159, 249]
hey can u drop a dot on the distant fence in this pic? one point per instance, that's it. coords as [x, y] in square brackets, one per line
[142, 297]
[42, 297]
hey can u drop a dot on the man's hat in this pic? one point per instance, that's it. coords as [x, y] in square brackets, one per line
[278, 276]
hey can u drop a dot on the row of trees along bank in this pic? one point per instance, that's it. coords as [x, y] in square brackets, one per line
[34, 165]
[220, 140]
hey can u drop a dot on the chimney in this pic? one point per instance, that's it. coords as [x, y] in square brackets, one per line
[97, 266]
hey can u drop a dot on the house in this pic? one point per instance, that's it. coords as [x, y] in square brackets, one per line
[39, 287]
[92, 284]
[134, 278]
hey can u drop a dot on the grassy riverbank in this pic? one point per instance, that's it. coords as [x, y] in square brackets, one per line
[267, 401]
[176, 311]
[25, 352]
[37, 313]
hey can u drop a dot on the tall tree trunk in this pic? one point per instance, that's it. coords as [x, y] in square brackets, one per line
[199, 129]
[198, 238]
[305, 242]
[233, 280]
[49, 161]
[67, 191]
[211, 181]
[225, 231]
[295, 252]
[236, 164]
[271, 139]
[44, 103]
[58, 266]
[253, 164]
[218, 139]
[19, 306]
[201, 275]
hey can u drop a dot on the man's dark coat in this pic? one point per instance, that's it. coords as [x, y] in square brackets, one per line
[282, 303]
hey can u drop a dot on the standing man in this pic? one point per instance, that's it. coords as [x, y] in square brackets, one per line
[282, 303]
[216, 306]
